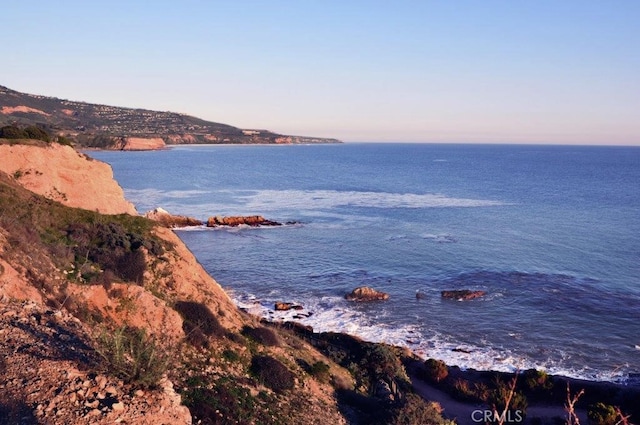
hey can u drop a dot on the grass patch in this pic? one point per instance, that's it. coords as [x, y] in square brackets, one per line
[132, 355]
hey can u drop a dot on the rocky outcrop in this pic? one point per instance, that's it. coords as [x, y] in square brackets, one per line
[234, 221]
[167, 219]
[61, 174]
[364, 293]
[462, 294]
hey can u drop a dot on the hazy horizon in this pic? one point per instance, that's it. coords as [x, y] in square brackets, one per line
[540, 72]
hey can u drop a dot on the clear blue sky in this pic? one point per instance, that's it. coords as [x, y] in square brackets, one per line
[560, 71]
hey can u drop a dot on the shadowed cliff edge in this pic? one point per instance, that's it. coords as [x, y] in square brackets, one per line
[106, 316]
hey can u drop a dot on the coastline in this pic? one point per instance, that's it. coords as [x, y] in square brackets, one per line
[177, 287]
[556, 410]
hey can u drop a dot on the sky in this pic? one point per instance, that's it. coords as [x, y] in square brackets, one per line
[513, 71]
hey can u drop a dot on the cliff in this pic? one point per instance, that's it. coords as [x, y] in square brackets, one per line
[77, 286]
[113, 127]
[61, 174]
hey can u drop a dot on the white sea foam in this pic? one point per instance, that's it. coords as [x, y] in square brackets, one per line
[267, 200]
[334, 314]
[172, 200]
[440, 238]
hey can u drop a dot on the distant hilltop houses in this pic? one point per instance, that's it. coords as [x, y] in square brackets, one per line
[103, 126]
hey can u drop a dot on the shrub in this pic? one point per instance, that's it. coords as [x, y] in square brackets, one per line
[272, 373]
[320, 371]
[226, 402]
[499, 396]
[12, 132]
[133, 356]
[111, 246]
[34, 132]
[198, 322]
[537, 380]
[62, 140]
[602, 414]
[231, 356]
[262, 335]
[415, 410]
[435, 370]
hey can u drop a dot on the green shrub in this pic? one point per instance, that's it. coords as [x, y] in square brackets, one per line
[602, 414]
[537, 380]
[226, 402]
[62, 140]
[435, 370]
[497, 398]
[133, 356]
[231, 356]
[110, 246]
[272, 373]
[12, 132]
[320, 371]
[416, 410]
[34, 132]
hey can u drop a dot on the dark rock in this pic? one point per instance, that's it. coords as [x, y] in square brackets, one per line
[365, 293]
[298, 328]
[462, 295]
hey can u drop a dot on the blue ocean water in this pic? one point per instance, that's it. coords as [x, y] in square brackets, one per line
[551, 233]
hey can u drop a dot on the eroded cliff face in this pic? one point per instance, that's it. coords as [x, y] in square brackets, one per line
[75, 180]
[61, 174]
[57, 299]
[28, 273]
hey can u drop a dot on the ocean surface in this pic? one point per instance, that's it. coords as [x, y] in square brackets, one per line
[551, 233]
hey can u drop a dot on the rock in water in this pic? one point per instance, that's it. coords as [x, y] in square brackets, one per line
[462, 294]
[283, 306]
[167, 219]
[364, 293]
[233, 221]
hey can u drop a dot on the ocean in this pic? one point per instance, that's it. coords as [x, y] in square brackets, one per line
[551, 233]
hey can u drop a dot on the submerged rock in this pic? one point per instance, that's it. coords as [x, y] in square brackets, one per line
[364, 293]
[462, 294]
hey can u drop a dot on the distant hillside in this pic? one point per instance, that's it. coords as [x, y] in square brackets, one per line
[110, 126]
